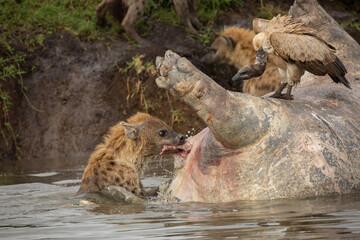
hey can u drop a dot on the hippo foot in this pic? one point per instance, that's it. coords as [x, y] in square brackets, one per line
[177, 74]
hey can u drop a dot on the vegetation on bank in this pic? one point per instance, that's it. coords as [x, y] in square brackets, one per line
[24, 26]
[351, 23]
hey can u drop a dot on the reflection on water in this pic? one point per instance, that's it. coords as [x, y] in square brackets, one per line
[36, 206]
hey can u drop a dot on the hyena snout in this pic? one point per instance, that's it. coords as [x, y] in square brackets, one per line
[180, 138]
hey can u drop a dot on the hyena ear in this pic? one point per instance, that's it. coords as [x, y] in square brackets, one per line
[132, 131]
[229, 41]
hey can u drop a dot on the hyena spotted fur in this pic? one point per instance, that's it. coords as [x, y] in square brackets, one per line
[234, 47]
[126, 150]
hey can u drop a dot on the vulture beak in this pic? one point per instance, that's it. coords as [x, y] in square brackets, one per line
[253, 70]
[243, 74]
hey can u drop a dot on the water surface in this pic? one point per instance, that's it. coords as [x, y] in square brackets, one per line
[43, 205]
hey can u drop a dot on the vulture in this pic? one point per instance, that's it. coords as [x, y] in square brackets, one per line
[293, 48]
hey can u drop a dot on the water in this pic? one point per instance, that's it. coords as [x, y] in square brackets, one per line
[44, 206]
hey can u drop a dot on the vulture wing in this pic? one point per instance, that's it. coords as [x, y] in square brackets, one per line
[310, 53]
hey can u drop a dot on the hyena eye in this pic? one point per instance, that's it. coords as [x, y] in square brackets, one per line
[213, 50]
[163, 133]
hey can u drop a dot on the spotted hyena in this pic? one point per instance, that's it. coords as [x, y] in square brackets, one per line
[128, 11]
[127, 148]
[234, 46]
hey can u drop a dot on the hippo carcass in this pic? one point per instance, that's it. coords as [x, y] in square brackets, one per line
[258, 148]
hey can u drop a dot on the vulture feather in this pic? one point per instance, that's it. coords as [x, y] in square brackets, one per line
[294, 48]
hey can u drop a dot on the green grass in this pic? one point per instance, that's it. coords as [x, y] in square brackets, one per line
[10, 70]
[351, 23]
[43, 17]
[162, 11]
[269, 10]
[177, 116]
[205, 36]
[209, 9]
[218, 4]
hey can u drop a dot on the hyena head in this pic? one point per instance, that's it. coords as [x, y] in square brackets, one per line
[234, 47]
[220, 50]
[154, 134]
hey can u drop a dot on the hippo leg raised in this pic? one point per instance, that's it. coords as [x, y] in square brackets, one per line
[246, 116]
[236, 123]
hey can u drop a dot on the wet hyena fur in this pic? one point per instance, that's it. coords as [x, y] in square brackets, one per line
[128, 11]
[126, 150]
[235, 47]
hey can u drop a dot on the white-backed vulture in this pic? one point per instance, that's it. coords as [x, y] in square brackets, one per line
[293, 48]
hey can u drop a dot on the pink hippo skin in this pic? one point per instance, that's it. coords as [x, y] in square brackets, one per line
[258, 148]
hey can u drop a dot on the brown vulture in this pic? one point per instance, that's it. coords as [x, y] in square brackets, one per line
[294, 49]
